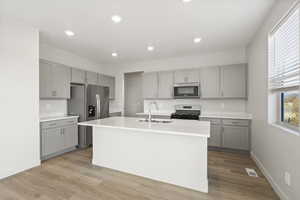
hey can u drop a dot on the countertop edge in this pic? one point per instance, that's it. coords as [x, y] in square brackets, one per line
[57, 118]
[145, 130]
[218, 116]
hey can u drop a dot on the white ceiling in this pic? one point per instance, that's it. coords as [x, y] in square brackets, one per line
[169, 25]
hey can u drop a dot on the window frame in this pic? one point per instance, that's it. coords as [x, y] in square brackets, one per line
[280, 118]
[276, 98]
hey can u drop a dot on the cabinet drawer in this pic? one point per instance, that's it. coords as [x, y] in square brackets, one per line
[68, 122]
[212, 121]
[58, 123]
[233, 122]
[50, 124]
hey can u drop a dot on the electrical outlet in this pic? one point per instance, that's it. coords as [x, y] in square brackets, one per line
[287, 178]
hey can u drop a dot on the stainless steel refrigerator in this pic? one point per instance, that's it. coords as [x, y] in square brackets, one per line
[90, 102]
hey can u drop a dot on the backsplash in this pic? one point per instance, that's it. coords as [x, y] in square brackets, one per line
[50, 108]
[222, 105]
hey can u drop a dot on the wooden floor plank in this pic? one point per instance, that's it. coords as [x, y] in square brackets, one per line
[73, 177]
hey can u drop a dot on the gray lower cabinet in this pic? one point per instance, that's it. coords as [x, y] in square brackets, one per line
[229, 133]
[236, 137]
[54, 80]
[52, 141]
[215, 139]
[150, 85]
[70, 136]
[58, 137]
[77, 76]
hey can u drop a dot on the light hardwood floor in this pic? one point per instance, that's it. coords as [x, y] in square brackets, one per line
[72, 177]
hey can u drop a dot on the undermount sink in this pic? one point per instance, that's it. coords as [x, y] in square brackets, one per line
[156, 121]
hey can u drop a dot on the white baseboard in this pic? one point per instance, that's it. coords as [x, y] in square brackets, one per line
[265, 172]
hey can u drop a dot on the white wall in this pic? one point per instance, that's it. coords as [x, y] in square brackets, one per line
[275, 149]
[54, 54]
[232, 56]
[48, 52]
[19, 98]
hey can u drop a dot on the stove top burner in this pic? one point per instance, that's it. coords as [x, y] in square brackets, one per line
[186, 114]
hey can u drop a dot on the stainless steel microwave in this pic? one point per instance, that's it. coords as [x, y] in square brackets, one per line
[185, 91]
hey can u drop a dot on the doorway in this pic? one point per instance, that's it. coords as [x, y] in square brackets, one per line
[133, 94]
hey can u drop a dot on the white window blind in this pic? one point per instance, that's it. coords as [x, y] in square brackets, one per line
[284, 54]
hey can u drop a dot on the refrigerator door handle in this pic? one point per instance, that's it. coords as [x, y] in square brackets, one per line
[98, 106]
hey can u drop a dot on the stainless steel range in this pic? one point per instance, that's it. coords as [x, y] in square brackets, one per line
[190, 112]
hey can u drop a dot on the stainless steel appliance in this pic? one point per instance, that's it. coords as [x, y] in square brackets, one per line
[191, 112]
[183, 91]
[90, 102]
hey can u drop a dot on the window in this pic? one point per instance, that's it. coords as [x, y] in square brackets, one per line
[284, 70]
[290, 108]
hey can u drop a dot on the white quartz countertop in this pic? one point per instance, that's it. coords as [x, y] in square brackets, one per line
[157, 113]
[53, 118]
[176, 127]
[221, 115]
[227, 115]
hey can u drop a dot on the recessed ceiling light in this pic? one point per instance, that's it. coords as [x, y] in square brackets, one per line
[186, 1]
[69, 33]
[197, 40]
[116, 19]
[114, 54]
[150, 48]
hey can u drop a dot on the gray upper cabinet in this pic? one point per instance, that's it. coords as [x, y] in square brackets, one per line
[45, 79]
[77, 76]
[150, 85]
[54, 80]
[210, 82]
[233, 81]
[186, 76]
[61, 81]
[165, 84]
[108, 81]
[92, 78]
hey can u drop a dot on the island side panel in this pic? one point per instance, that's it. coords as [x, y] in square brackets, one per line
[178, 160]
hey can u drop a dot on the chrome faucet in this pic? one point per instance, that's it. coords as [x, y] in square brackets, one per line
[150, 111]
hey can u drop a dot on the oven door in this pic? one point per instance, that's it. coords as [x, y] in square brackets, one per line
[186, 91]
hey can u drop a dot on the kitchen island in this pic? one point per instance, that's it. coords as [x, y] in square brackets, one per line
[172, 151]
